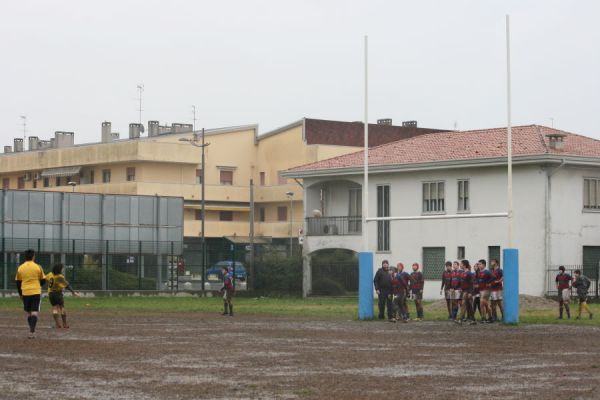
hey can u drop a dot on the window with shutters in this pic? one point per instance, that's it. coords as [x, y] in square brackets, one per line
[591, 194]
[92, 177]
[591, 261]
[383, 210]
[433, 197]
[282, 213]
[463, 195]
[261, 214]
[226, 177]
[106, 176]
[198, 177]
[46, 182]
[355, 210]
[262, 179]
[226, 216]
[6, 183]
[57, 181]
[21, 183]
[434, 259]
[130, 175]
[460, 253]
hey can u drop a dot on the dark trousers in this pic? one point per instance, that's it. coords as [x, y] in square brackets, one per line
[385, 299]
[400, 307]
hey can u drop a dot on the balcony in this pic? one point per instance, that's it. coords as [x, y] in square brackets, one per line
[333, 226]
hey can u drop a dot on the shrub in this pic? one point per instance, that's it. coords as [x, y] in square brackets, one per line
[275, 274]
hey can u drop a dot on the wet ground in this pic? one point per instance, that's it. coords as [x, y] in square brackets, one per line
[194, 356]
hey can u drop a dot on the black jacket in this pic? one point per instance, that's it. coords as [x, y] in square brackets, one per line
[383, 280]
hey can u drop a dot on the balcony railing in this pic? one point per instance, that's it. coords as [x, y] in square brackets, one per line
[325, 226]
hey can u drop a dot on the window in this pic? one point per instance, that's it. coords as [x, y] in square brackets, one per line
[434, 259]
[105, 175]
[198, 215]
[21, 183]
[57, 181]
[463, 195]
[460, 253]
[282, 213]
[198, 177]
[34, 182]
[6, 183]
[261, 214]
[262, 179]
[281, 180]
[591, 194]
[130, 174]
[226, 216]
[92, 177]
[433, 197]
[355, 210]
[493, 252]
[46, 182]
[226, 177]
[383, 210]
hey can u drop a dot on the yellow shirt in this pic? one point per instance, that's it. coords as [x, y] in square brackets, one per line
[30, 274]
[56, 283]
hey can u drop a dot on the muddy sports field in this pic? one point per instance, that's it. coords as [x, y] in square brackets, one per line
[204, 355]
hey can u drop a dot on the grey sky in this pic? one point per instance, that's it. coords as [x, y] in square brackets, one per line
[68, 65]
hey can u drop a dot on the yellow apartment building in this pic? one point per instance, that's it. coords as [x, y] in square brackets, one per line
[161, 164]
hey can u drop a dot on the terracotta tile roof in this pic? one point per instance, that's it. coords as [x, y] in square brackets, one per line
[341, 133]
[463, 145]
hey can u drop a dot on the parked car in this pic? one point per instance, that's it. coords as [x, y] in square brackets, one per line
[215, 273]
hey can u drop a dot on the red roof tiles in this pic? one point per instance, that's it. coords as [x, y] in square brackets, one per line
[463, 145]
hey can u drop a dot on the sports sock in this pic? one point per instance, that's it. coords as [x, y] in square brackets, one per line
[33, 323]
[30, 322]
[231, 309]
[56, 320]
[586, 308]
[64, 319]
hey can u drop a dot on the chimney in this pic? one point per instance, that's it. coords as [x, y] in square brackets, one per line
[409, 124]
[64, 139]
[153, 128]
[556, 141]
[178, 127]
[44, 144]
[34, 143]
[18, 145]
[134, 130]
[106, 127]
[384, 121]
[8, 149]
[52, 143]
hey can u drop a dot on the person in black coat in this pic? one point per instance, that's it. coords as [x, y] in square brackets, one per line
[383, 288]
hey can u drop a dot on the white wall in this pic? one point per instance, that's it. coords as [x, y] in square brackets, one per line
[571, 227]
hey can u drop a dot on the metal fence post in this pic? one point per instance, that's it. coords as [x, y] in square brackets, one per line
[73, 261]
[139, 265]
[107, 267]
[4, 266]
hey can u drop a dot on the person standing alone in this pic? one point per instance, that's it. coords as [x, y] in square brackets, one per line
[29, 279]
[563, 285]
[383, 288]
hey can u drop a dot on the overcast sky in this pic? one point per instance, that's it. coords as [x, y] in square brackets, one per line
[69, 65]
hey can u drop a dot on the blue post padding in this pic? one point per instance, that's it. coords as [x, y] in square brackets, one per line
[365, 285]
[511, 286]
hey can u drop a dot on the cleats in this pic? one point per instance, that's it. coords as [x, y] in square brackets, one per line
[31, 335]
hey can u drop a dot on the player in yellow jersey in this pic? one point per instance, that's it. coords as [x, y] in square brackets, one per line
[29, 279]
[56, 284]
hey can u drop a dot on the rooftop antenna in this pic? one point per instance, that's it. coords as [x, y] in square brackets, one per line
[551, 122]
[24, 118]
[140, 88]
[194, 118]
[455, 125]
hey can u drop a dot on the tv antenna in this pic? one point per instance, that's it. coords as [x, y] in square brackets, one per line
[24, 118]
[140, 88]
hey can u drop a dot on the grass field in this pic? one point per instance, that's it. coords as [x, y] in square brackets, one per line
[326, 308]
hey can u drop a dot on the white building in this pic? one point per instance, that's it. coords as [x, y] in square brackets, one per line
[556, 183]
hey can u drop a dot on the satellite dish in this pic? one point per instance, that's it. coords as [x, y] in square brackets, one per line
[317, 213]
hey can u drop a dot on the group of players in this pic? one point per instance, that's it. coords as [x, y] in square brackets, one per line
[467, 290]
[30, 279]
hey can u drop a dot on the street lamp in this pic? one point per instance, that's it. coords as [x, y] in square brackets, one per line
[194, 142]
[290, 195]
[72, 184]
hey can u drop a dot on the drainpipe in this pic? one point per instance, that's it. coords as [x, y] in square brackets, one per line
[548, 219]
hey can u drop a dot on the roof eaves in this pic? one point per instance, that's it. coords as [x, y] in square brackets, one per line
[281, 129]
